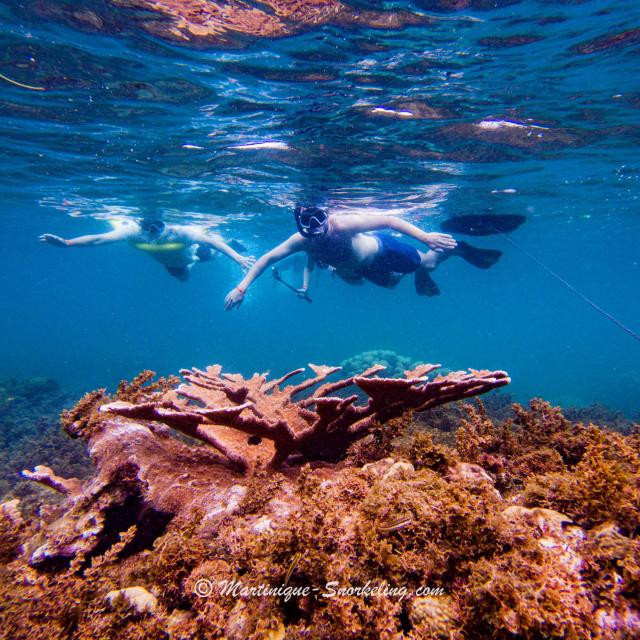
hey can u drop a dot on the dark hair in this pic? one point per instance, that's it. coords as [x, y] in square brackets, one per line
[152, 224]
[312, 222]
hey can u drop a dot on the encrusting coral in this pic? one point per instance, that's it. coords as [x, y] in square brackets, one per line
[393, 535]
[394, 363]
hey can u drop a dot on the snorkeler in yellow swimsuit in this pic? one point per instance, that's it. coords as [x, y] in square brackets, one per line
[176, 247]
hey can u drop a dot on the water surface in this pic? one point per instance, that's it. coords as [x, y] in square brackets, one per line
[412, 108]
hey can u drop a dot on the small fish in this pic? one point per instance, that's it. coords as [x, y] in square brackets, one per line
[191, 146]
[292, 567]
[395, 525]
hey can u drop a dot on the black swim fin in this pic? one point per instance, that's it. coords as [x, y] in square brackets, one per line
[481, 258]
[425, 285]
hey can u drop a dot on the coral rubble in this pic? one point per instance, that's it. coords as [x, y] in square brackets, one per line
[210, 516]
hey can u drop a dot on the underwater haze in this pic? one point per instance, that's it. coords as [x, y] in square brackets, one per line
[426, 110]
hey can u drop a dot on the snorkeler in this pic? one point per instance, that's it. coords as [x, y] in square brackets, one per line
[176, 247]
[341, 243]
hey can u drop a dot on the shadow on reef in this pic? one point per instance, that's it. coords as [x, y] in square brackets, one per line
[519, 528]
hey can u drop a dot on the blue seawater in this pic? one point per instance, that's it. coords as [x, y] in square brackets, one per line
[528, 108]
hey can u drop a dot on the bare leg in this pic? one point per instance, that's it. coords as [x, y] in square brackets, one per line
[431, 259]
[425, 285]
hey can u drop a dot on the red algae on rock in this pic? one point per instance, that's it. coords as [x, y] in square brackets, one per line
[622, 39]
[458, 5]
[223, 22]
[227, 23]
[395, 535]
[512, 133]
[507, 42]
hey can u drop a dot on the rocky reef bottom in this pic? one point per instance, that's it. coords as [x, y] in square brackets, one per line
[30, 434]
[522, 527]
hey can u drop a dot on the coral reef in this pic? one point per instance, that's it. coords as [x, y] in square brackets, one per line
[511, 132]
[609, 41]
[506, 42]
[526, 528]
[541, 450]
[601, 415]
[394, 363]
[147, 477]
[224, 22]
[30, 435]
[230, 23]
[320, 425]
[415, 109]
[458, 5]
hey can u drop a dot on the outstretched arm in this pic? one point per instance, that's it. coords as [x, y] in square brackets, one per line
[360, 223]
[120, 233]
[306, 274]
[215, 241]
[294, 244]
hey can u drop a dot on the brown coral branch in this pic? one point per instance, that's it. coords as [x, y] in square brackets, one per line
[321, 372]
[421, 370]
[319, 426]
[188, 422]
[45, 476]
[332, 387]
[271, 385]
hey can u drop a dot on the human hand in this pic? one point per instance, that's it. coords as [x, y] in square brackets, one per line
[440, 241]
[246, 262]
[302, 293]
[234, 299]
[56, 241]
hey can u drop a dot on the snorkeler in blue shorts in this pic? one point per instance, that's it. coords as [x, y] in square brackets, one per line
[356, 249]
[176, 247]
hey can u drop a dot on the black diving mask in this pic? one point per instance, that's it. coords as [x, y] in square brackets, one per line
[312, 222]
[153, 227]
